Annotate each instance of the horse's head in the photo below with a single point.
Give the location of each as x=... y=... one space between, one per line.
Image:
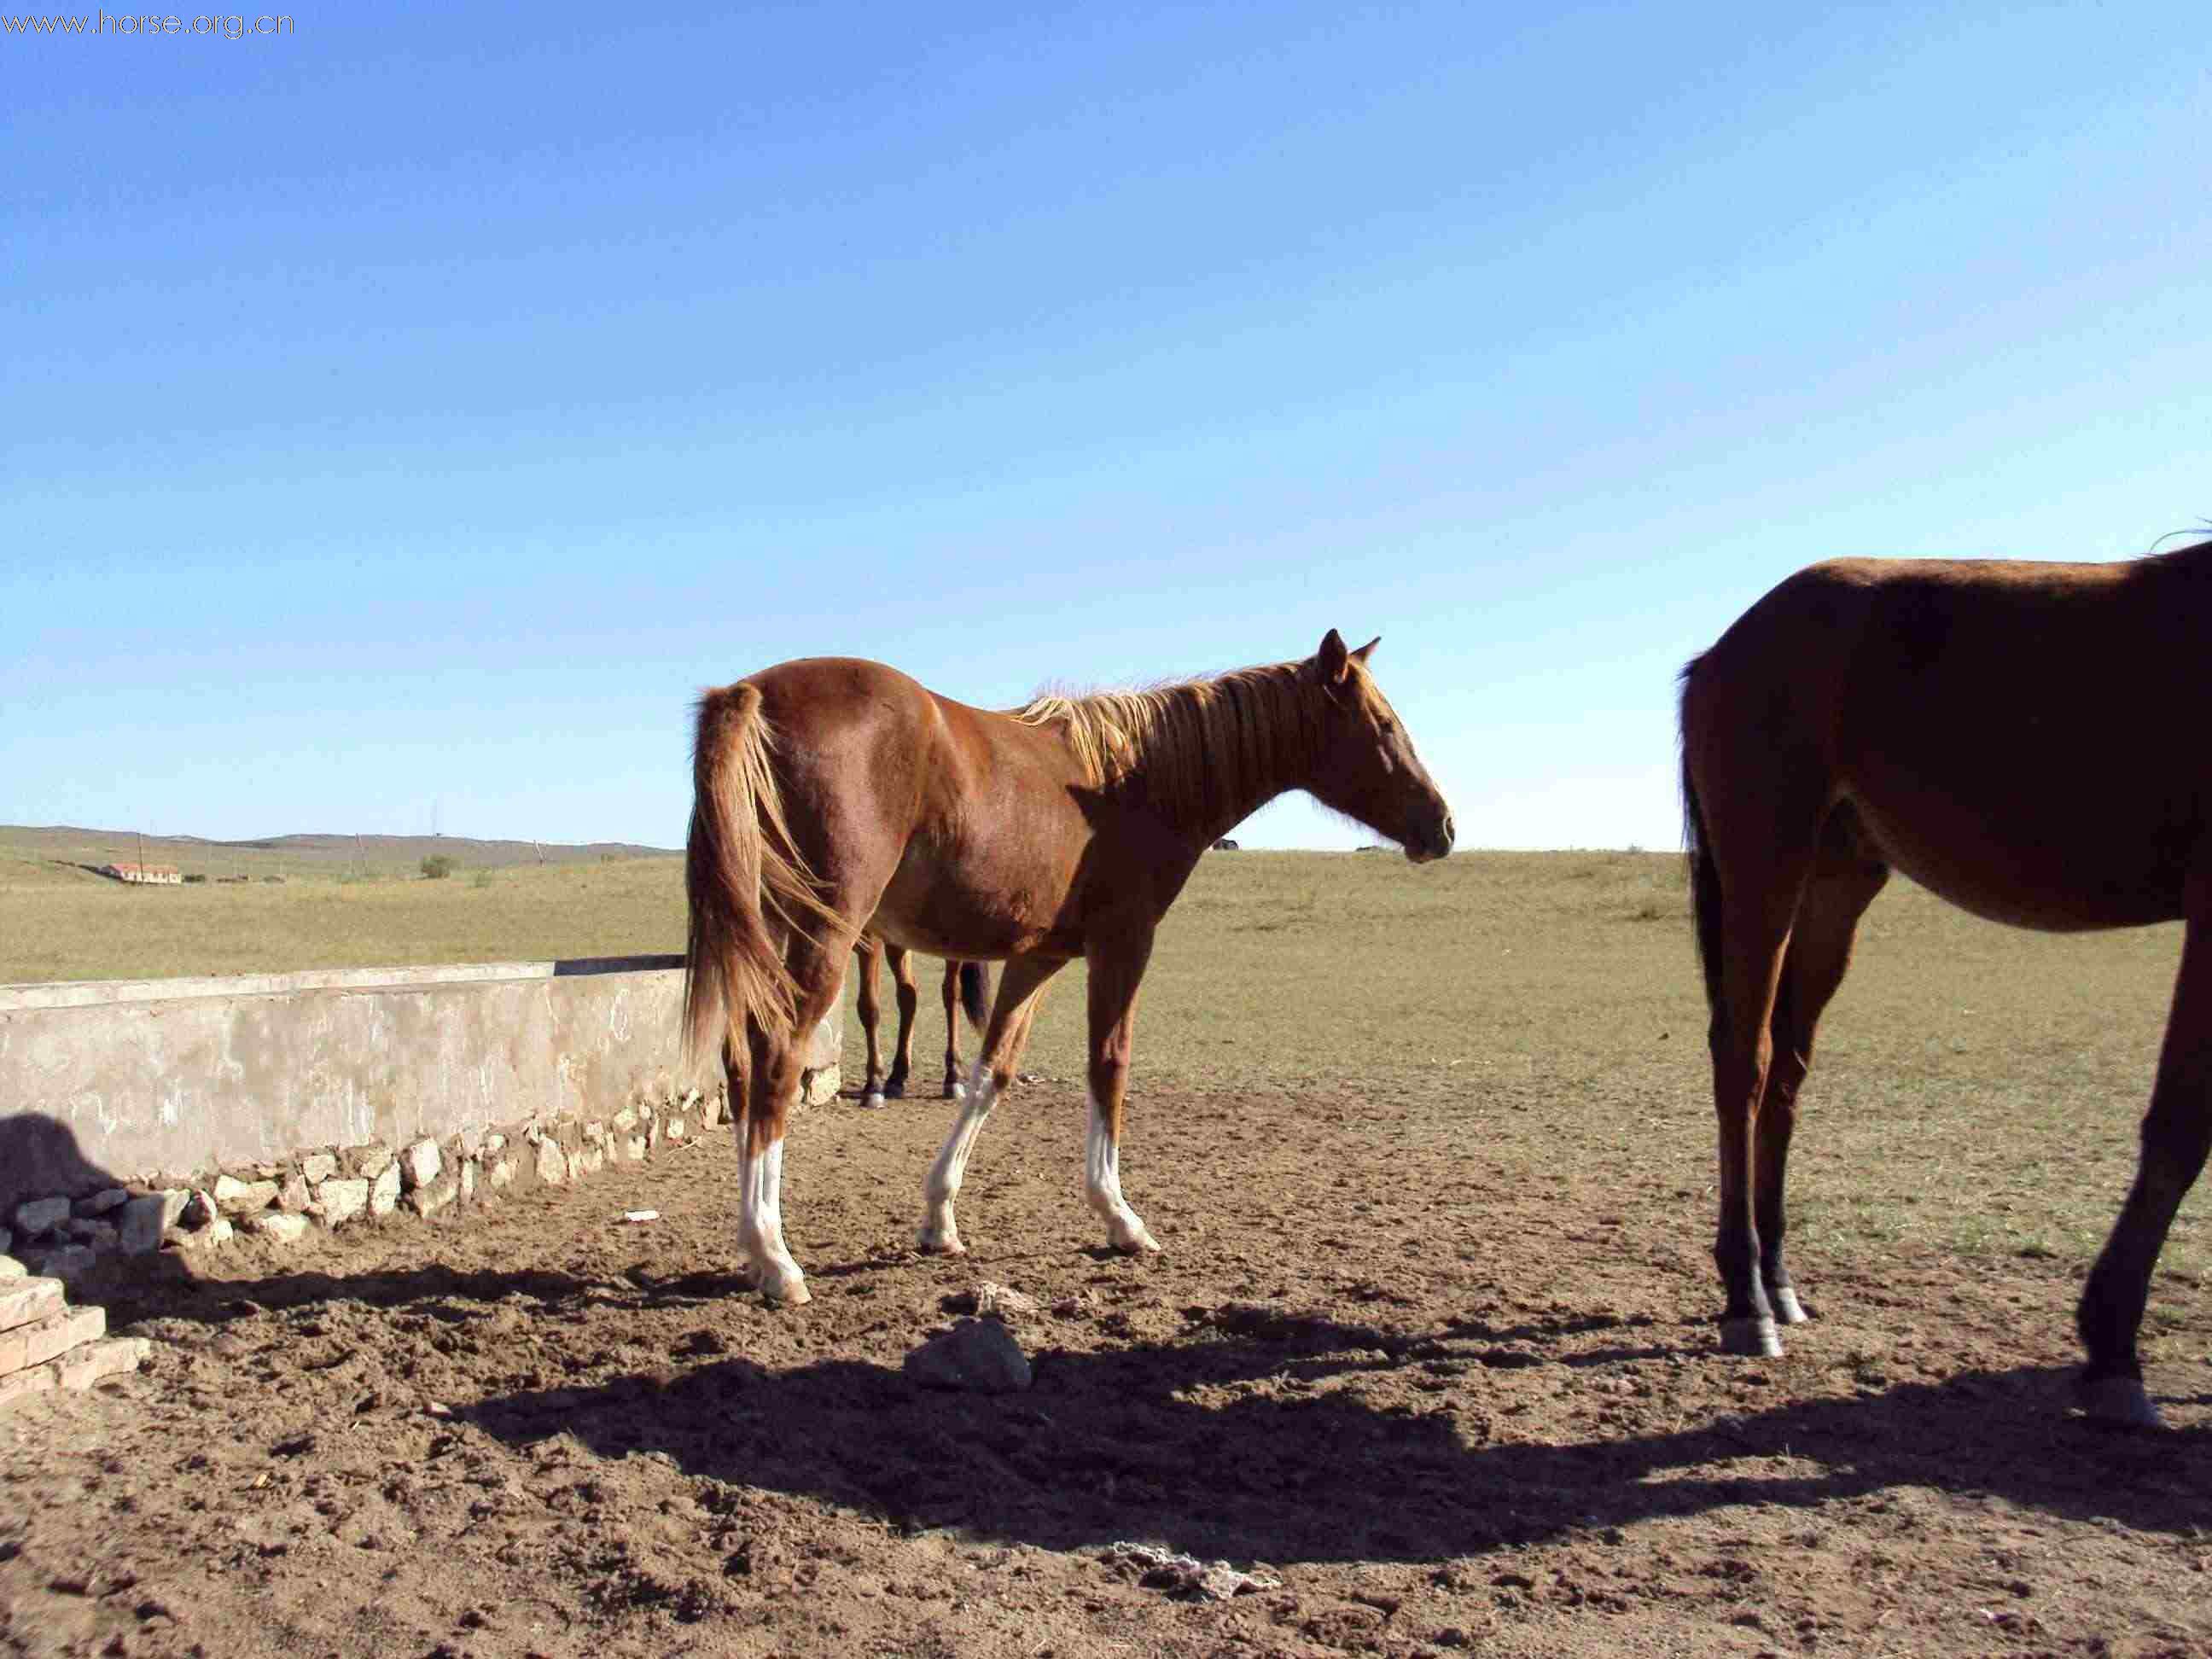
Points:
x=1366 y=768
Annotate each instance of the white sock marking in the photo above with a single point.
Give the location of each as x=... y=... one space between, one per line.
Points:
x=1102 y=1181
x=760 y=1221
x=939 y=1230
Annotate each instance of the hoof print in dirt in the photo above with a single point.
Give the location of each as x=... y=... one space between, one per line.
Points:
x=1184 y=1577
x=989 y=1301
x=976 y=1356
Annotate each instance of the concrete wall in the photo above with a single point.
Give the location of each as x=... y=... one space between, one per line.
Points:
x=152 y=1081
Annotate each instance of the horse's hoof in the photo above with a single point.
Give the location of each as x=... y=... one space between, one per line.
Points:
x=2120 y=1402
x=787 y=1293
x=1787 y=1310
x=1137 y=1242
x=892 y=1091
x=935 y=1243
x=1757 y=1338
x=873 y=1098
x=955 y=1090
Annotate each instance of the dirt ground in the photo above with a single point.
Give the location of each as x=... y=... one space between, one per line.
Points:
x=1452 y=1390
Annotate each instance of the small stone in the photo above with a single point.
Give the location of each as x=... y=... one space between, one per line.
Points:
x=199 y=1209
x=28 y=1299
x=97 y=1361
x=472 y=1137
x=976 y=1355
x=634 y=1149
x=292 y=1195
x=495 y=1144
x=500 y=1173
x=594 y=1132
x=419 y=1164
x=317 y=1168
x=67 y=1262
x=38 y=1215
x=588 y=1160
x=234 y=1197
x=101 y=1203
x=676 y=1129
x=428 y=1200
x=93 y=1235
x=384 y=1191
x=12 y=1270
x=552 y=1163
x=468 y=1182
x=990 y=1301
x=625 y=1121
x=341 y=1200
x=368 y=1161
x=285 y=1229
x=146 y=1218
x=217 y=1231
x=36 y=1343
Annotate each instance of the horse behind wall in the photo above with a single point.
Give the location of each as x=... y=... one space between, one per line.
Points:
x=966 y=989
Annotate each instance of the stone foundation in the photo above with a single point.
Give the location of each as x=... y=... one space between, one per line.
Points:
x=474 y=1082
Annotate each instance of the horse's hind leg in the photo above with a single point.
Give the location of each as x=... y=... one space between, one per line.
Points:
x=777 y=1056
x=2177 y=1132
x=871 y=1012
x=1760 y=847
x=1019 y=986
x=908 y=1004
x=951 y=1030
x=1846 y=876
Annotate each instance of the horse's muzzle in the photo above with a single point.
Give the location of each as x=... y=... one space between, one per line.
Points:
x=1433 y=846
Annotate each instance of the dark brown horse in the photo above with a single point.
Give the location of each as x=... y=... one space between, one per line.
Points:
x=2026 y=740
x=835 y=797
x=964 y=988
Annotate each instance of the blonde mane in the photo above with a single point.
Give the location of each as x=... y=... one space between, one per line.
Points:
x=1200 y=751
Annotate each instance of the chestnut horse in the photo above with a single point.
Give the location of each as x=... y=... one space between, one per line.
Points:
x=964 y=988
x=2013 y=737
x=836 y=797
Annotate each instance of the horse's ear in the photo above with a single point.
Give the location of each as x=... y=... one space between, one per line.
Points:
x=1332 y=659
x=1366 y=651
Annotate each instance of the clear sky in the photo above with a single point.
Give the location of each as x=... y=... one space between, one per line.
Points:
x=409 y=412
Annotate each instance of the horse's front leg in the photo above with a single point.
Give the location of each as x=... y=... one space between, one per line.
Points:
x=1117 y=965
x=1003 y=1039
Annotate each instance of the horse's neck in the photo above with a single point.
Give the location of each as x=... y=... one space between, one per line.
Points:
x=1203 y=823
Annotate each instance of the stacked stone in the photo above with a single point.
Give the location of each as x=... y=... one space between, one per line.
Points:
x=47 y=1344
x=65 y=1236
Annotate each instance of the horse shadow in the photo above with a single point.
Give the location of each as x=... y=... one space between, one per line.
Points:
x=1260 y=1433
x=1232 y=1443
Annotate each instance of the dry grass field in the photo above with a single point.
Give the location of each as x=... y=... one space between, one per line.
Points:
x=1975 y=1086
x=1430 y=1151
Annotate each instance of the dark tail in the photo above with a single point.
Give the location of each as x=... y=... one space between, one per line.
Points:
x=741 y=867
x=1705 y=872
x=975 y=994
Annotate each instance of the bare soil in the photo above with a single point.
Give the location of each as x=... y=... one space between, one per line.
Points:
x=1441 y=1367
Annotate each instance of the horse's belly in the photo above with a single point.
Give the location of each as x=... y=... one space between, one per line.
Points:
x=2020 y=868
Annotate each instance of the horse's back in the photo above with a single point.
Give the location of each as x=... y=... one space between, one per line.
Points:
x=2013 y=734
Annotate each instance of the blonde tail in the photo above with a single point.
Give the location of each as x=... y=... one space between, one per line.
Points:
x=741 y=866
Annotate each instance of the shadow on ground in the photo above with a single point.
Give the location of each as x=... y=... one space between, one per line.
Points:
x=1265 y=1434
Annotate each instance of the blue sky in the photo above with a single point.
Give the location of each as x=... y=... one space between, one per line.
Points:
x=411 y=412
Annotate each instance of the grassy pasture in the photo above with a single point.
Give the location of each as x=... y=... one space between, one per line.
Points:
x=1976 y=1088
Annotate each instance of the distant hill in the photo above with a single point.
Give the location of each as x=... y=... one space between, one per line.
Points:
x=64 y=847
